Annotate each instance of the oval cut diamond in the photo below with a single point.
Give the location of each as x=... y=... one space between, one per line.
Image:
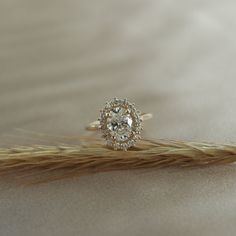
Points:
x=119 y=123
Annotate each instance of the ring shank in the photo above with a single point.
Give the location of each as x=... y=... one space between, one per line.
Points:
x=95 y=125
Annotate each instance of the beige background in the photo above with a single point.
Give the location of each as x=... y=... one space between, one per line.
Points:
x=61 y=60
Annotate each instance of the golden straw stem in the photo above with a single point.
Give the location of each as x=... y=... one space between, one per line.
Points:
x=93 y=157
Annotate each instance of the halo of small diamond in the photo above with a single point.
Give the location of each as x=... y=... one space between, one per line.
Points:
x=120 y=123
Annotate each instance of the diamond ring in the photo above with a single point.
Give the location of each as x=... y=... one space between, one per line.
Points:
x=120 y=123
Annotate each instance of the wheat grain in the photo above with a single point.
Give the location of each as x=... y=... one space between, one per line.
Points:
x=92 y=156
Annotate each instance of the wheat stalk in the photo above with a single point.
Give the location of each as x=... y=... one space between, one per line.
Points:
x=61 y=161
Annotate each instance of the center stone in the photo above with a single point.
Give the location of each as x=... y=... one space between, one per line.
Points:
x=119 y=122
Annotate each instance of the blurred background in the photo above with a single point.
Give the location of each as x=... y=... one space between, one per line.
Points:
x=60 y=61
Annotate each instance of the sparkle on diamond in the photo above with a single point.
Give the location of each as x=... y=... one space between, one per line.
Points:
x=119 y=123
